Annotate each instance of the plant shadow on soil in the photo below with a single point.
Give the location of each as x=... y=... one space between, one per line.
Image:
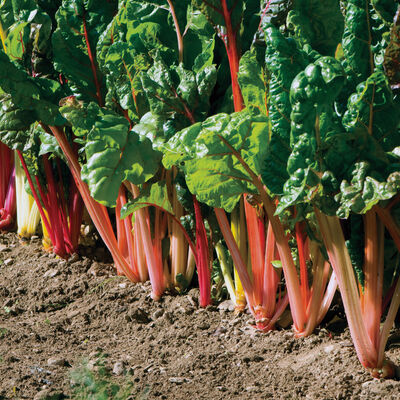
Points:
x=56 y=314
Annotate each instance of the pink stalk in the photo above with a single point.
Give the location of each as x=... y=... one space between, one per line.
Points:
x=155 y=268
x=341 y=264
x=271 y=279
x=373 y=273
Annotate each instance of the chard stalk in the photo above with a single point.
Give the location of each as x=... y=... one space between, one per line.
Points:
x=203 y=257
x=340 y=260
x=373 y=275
x=97 y=212
x=155 y=267
x=226 y=272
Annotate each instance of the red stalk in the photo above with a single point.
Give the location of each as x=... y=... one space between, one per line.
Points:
x=257 y=252
x=7 y=213
x=301 y=239
x=233 y=57
x=7 y=187
x=92 y=64
x=202 y=259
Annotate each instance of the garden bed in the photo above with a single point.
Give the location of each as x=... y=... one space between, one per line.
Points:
x=57 y=316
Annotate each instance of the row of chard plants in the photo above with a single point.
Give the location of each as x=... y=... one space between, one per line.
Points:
x=256 y=142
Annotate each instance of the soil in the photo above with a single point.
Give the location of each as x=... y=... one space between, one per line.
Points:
x=56 y=315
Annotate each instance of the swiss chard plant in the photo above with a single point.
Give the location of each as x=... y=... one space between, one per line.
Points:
x=337 y=117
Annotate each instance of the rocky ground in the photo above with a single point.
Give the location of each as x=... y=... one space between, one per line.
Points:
x=69 y=325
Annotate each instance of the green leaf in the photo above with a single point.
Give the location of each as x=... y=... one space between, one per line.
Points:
x=114 y=153
x=80 y=24
x=213 y=10
x=177 y=93
x=38 y=95
x=204 y=153
x=372 y=107
x=124 y=66
x=253 y=82
x=317 y=23
x=365 y=190
x=14 y=123
x=155 y=194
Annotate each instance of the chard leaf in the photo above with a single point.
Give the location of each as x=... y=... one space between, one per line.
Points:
x=214 y=11
x=204 y=153
x=178 y=93
x=253 y=82
x=311 y=94
x=317 y=23
x=14 y=123
x=80 y=24
x=114 y=153
x=124 y=66
x=365 y=36
x=275 y=12
x=372 y=107
x=284 y=61
x=37 y=95
x=365 y=189
x=155 y=194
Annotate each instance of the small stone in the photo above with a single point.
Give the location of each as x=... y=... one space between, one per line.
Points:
x=8 y=261
x=51 y=273
x=204 y=326
x=118 y=368
x=226 y=306
x=329 y=349
x=158 y=313
x=122 y=285
x=178 y=380
x=56 y=362
x=62 y=263
x=220 y=331
x=34 y=238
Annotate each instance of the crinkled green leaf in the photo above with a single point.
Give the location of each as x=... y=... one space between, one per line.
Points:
x=178 y=93
x=373 y=108
x=275 y=11
x=284 y=61
x=203 y=151
x=365 y=36
x=318 y=23
x=311 y=94
x=154 y=194
x=38 y=95
x=114 y=153
x=14 y=123
x=365 y=190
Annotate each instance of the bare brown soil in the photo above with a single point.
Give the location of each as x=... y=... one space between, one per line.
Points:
x=55 y=314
